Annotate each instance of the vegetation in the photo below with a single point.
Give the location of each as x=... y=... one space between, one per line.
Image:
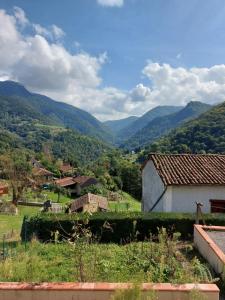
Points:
x=203 y=135
x=11 y=225
x=116 y=227
x=162 y=125
x=143 y=121
x=26 y=105
x=15 y=167
x=159 y=260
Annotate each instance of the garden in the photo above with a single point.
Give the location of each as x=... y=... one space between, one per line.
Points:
x=162 y=258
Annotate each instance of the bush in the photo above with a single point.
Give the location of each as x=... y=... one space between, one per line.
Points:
x=113 y=227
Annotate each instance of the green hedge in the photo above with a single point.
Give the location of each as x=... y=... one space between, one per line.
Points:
x=113 y=227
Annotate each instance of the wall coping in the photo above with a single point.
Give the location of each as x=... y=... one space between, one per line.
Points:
x=105 y=286
x=202 y=230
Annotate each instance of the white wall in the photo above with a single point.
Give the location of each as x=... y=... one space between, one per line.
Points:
x=179 y=198
x=152 y=188
x=184 y=197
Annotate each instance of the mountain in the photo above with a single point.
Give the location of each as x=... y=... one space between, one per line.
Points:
x=141 y=122
x=117 y=125
x=205 y=134
x=18 y=100
x=35 y=122
x=162 y=125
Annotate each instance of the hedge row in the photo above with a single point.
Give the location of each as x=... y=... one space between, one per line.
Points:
x=113 y=227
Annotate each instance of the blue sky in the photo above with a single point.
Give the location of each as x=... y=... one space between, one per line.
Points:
x=143 y=49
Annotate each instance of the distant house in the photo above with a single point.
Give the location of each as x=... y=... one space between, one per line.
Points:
x=42 y=174
x=76 y=184
x=66 y=168
x=3 y=189
x=89 y=203
x=174 y=183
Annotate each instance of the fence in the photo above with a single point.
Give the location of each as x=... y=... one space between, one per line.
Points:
x=8 y=245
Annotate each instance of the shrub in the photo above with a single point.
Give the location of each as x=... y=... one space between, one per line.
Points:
x=113 y=227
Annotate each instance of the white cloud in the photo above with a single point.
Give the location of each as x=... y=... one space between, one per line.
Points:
x=57 y=31
x=43 y=65
x=111 y=3
x=20 y=16
x=180 y=85
x=140 y=93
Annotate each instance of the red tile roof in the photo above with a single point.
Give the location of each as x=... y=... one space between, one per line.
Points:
x=3 y=189
x=190 y=169
x=82 y=180
x=67 y=181
x=41 y=172
x=87 y=199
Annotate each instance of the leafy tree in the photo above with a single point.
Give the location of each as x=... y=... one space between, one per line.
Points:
x=16 y=168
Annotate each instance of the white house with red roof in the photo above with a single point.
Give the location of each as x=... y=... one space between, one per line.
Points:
x=175 y=182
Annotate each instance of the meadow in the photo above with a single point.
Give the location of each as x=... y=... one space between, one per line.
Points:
x=164 y=260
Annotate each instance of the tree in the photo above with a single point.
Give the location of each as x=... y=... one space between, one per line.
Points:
x=15 y=166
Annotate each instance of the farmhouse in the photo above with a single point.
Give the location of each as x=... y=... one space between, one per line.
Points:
x=76 y=184
x=89 y=203
x=175 y=182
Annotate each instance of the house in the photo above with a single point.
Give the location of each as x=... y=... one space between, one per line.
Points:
x=66 y=168
x=42 y=173
x=89 y=203
x=3 y=189
x=175 y=182
x=76 y=184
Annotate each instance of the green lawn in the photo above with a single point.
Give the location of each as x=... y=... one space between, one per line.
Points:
x=127 y=204
x=9 y=223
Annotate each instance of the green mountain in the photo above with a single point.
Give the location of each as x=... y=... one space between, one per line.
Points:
x=30 y=121
x=18 y=100
x=141 y=122
x=162 y=125
x=116 y=125
x=203 y=135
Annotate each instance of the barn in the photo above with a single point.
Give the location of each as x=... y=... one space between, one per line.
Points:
x=175 y=182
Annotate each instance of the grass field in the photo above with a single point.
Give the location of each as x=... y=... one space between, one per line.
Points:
x=163 y=261
x=127 y=204
x=9 y=223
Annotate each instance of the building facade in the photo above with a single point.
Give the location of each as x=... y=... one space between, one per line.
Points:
x=174 y=183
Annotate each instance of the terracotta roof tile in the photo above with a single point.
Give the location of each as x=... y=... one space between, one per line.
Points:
x=82 y=180
x=190 y=169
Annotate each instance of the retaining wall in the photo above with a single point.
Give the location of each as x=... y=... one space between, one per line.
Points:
x=99 y=291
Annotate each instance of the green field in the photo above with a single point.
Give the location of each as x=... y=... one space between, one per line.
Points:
x=12 y=224
x=164 y=261
x=128 y=203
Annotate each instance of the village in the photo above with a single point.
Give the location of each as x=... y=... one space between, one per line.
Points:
x=181 y=191
x=112 y=150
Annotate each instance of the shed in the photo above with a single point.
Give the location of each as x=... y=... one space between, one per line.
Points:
x=89 y=203
x=175 y=182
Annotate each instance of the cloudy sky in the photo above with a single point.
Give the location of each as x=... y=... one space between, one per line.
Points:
x=116 y=58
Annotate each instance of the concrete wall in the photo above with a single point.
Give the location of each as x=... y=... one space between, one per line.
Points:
x=99 y=291
x=208 y=249
x=179 y=198
x=152 y=188
x=184 y=197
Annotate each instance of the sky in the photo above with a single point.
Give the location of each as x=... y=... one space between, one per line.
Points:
x=116 y=58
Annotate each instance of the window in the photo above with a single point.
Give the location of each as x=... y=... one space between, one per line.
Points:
x=217 y=206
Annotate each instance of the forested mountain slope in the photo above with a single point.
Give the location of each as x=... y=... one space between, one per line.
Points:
x=17 y=100
x=162 y=125
x=141 y=122
x=117 y=125
x=203 y=135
